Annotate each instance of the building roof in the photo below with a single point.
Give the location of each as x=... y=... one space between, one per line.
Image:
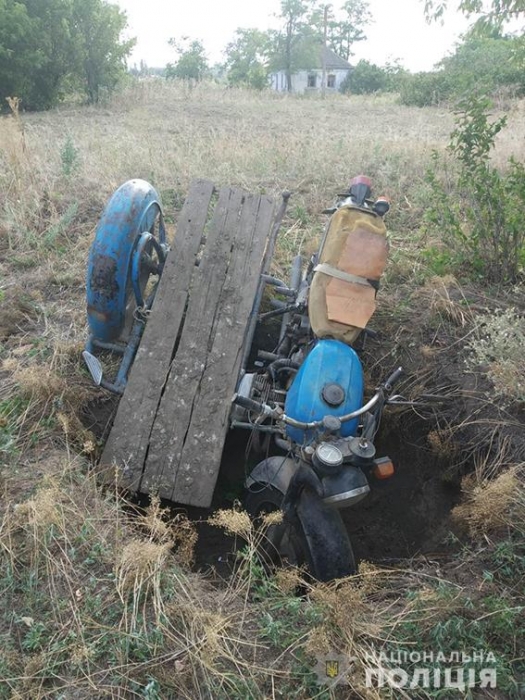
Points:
x=333 y=61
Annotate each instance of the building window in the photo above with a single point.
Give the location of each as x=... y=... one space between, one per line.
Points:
x=312 y=80
x=330 y=81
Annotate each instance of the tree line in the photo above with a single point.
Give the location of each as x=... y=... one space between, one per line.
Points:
x=252 y=55
x=53 y=48
x=487 y=61
x=50 y=48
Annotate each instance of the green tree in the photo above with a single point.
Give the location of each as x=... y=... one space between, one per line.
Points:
x=54 y=47
x=35 y=50
x=493 y=14
x=297 y=41
x=366 y=78
x=247 y=58
x=16 y=30
x=306 y=23
x=483 y=65
x=192 y=64
x=46 y=46
x=100 y=52
x=490 y=10
x=345 y=28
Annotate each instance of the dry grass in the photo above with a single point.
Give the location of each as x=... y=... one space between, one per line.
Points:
x=97 y=605
x=440 y=291
x=169 y=136
x=234 y=522
x=493 y=505
x=94 y=605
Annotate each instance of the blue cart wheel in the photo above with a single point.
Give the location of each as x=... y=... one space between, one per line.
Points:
x=128 y=251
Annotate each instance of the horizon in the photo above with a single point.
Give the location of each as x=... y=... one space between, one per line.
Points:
x=398 y=32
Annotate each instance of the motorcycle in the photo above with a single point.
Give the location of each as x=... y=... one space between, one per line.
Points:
x=308 y=394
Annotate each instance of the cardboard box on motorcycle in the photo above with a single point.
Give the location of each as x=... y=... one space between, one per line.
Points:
x=351 y=261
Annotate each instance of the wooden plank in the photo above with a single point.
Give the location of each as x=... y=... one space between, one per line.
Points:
x=129 y=438
x=185 y=376
x=201 y=454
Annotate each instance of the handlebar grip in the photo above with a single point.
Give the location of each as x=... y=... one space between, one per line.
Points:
x=248 y=404
x=393 y=379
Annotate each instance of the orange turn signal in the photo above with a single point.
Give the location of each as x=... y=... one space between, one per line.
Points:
x=384 y=468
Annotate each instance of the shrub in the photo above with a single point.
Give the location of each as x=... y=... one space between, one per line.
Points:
x=69 y=158
x=367 y=78
x=500 y=348
x=424 y=89
x=479 y=214
x=485 y=65
x=481 y=65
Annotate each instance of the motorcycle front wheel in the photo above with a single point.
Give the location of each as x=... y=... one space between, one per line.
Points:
x=315 y=538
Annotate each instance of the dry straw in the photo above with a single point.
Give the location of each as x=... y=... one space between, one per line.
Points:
x=494 y=505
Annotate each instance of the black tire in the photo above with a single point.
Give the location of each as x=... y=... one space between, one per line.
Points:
x=316 y=538
x=328 y=545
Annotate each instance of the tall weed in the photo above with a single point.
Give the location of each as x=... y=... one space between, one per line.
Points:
x=479 y=212
x=499 y=347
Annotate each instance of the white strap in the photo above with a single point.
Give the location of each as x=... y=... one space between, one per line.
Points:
x=327 y=269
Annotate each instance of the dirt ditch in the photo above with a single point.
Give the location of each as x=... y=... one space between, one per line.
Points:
x=403 y=517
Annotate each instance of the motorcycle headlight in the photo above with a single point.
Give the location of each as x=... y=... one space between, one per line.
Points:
x=328 y=458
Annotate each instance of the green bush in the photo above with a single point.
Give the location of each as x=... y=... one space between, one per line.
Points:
x=481 y=65
x=367 y=78
x=484 y=66
x=69 y=158
x=479 y=214
x=424 y=89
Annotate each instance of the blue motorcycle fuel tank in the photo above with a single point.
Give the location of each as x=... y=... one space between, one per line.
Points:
x=329 y=382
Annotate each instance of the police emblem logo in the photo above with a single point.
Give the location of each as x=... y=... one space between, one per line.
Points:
x=332 y=668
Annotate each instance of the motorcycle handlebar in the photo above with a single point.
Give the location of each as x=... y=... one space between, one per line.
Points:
x=263 y=408
x=250 y=404
x=276 y=413
x=393 y=379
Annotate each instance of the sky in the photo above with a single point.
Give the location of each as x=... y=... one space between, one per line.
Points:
x=399 y=30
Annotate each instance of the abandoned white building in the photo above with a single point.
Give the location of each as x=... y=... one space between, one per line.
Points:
x=310 y=80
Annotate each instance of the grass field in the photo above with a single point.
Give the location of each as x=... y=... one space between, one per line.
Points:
x=97 y=602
